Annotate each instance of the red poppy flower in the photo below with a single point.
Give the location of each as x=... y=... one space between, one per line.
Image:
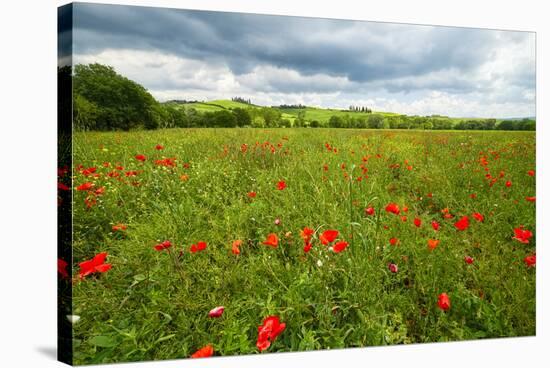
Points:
x=307 y=246
x=328 y=236
x=119 y=227
x=141 y=158
x=478 y=216
x=97 y=264
x=99 y=191
x=522 y=235
x=508 y=184
x=204 y=352
x=433 y=243
x=468 y=260
x=166 y=162
x=530 y=261
x=85 y=186
x=530 y=199
x=393 y=268
x=404 y=218
x=435 y=225
x=158 y=147
x=444 y=302
x=62 y=186
x=531 y=172
x=417 y=222
x=272 y=240
x=62 y=268
x=235 y=246
x=392 y=208
x=405 y=209
x=164 y=245
x=281 y=185
x=252 y=194
x=131 y=173
x=463 y=223
x=113 y=174
x=216 y=312
x=89 y=171
x=369 y=211
x=394 y=241
x=268 y=332
x=307 y=233
x=473 y=196
x=200 y=246
x=339 y=246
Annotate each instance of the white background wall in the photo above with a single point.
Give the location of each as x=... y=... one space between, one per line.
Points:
x=28 y=181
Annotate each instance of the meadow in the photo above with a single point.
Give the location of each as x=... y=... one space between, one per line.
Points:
x=350 y=238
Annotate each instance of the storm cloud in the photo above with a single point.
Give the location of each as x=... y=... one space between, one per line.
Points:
x=193 y=54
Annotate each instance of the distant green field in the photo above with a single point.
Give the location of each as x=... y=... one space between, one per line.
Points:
x=311 y=113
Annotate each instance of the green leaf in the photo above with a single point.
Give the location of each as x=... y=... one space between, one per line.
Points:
x=103 y=341
x=164 y=338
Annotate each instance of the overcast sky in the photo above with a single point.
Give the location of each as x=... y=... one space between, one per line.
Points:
x=410 y=69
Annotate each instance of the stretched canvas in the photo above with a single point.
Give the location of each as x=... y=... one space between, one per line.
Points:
x=234 y=184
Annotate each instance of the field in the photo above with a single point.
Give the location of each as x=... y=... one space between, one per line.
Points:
x=435 y=242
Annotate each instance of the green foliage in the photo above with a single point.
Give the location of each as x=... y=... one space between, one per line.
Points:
x=105 y=100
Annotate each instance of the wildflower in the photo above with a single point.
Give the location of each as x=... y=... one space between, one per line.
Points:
x=393 y=268
x=268 y=332
x=306 y=233
x=200 y=246
x=164 y=245
x=530 y=261
x=369 y=211
x=251 y=194
x=478 y=216
x=85 y=186
x=339 y=246
x=392 y=208
x=141 y=158
x=158 y=147
x=281 y=185
x=463 y=223
x=119 y=227
x=443 y=302
x=394 y=241
x=522 y=235
x=417 y=222
x=204 y=352
x=328 y=236
x=435 y=225
x=235 y=246
x=216 y=312
x=433 y=243
x=468 y=260
x=272 y=240
x=97 y=264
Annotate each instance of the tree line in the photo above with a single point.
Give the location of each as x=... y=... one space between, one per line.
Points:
x=105 y=100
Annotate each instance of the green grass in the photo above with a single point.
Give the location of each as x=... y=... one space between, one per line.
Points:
x=323 y=115
x=144 y=309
